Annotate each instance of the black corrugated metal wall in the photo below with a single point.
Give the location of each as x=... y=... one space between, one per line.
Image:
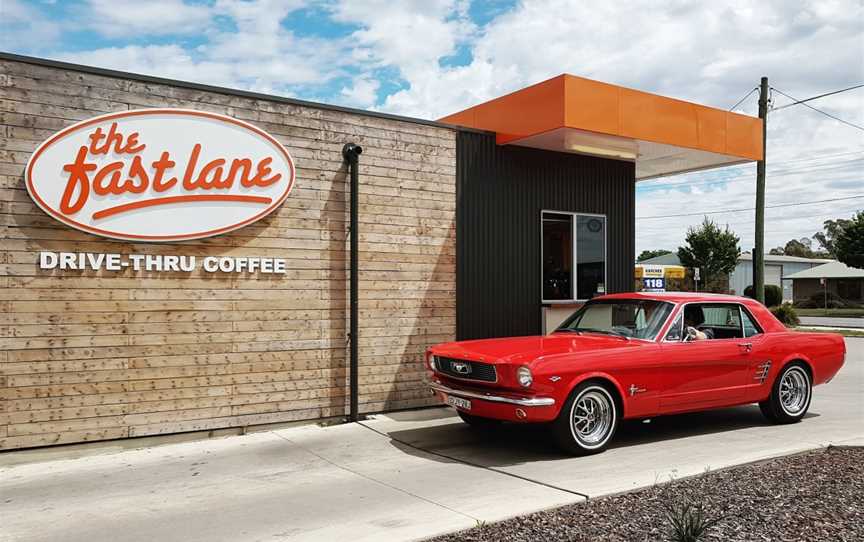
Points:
x=500 y=191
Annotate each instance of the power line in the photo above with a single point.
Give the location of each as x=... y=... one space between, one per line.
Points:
x=826 y=214
x=780 y=173
x=736 y=167
x=814 y=97
x=751 y=208
x=734 y=107
x=802 y=102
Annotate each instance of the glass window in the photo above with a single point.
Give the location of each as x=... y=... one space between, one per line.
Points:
x=750 y=327
x=641 y=319
x=590 y=256
x=675 y=332
x=573 y=256
x=557 y=257
x=849 y=289
x=715 y=320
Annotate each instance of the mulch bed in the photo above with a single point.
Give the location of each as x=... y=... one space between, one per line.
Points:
x=818 y=495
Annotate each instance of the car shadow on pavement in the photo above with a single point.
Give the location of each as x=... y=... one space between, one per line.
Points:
x=514 y=444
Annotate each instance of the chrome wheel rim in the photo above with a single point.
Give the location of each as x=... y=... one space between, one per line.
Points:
x=794 y=391
x=592 y=417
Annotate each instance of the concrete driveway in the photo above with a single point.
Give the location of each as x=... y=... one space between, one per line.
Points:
x=397 y=477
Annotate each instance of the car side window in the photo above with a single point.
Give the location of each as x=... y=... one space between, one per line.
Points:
x=713 y=320
x=750 y=327
x=676 y=332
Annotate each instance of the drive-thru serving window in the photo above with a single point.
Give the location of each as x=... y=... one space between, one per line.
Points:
x=177 y=257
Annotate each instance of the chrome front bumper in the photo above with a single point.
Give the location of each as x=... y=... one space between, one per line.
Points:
x=531 y=402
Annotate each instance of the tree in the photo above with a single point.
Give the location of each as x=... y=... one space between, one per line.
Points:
x=799 y=247
x=831 y=230
x=648 y=254
x=849 y=244
x=713 y=250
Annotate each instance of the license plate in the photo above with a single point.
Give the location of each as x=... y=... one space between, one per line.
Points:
x=458 y=402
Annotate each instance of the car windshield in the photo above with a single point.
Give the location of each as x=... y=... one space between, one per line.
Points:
x=637 y=318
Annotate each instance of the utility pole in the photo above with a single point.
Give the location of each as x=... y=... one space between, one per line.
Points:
x=759 y=248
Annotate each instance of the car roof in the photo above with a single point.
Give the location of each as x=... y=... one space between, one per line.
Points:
x=680 y=297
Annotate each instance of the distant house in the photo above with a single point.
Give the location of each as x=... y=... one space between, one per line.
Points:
x=777 y=270
x=841 y=280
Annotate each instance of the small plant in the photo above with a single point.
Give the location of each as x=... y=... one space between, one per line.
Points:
x=786 y=314
x=687 y=522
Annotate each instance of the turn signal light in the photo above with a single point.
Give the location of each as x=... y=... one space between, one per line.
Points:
x=524 y=376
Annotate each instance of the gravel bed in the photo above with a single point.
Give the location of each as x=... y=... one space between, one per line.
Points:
x=817 y=495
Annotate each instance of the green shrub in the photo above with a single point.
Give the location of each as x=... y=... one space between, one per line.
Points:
x=773 y=294
x=688 y=523
x=786 y=314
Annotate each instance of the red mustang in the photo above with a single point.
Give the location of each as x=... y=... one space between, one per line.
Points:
x=637 y=355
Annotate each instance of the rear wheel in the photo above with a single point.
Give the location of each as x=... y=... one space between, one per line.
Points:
x=587 y=420
x=790 y=395
x=478 y=421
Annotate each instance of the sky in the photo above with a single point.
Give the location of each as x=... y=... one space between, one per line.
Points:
x=429 y=58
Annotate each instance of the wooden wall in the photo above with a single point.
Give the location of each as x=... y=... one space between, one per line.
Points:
x=103 y=355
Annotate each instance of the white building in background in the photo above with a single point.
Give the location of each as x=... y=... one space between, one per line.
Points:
x=777 y=269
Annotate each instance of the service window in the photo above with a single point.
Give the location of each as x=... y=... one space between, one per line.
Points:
x=573 y=253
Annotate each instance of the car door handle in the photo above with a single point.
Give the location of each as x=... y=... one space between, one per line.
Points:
x=748 y=347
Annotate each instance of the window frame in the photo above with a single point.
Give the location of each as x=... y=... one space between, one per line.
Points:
x=574 y=264
x=742 y=310
x=660 y=330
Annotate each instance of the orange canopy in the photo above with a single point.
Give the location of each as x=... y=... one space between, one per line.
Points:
x=663 y=136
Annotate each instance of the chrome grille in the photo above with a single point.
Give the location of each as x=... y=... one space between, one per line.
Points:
x=466 y=370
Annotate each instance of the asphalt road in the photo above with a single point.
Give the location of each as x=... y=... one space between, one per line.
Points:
x=832 y=321
x=399 y=477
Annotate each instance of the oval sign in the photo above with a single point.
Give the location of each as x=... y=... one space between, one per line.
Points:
x=160 y=175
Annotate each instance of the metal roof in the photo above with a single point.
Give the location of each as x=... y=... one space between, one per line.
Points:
x=832 y=270
x=660 y=135
x=787 y=259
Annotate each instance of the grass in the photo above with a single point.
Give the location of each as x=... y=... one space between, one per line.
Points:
x=837 y=313
x=844 y=332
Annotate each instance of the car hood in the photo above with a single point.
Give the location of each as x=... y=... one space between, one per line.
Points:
x=527 y=349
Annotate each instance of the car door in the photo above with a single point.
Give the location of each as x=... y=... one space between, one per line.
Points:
x=757 y=383
x=705 y=373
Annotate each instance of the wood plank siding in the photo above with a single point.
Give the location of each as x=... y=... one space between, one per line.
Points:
x=102 y=355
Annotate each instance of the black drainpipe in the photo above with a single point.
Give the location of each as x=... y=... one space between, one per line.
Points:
x=351 y=154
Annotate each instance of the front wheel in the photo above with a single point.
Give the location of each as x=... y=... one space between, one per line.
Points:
x=587 y=420
x=790 y=395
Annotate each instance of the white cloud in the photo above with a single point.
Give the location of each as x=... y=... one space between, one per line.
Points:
x=22 y=23
x=170 y=61
x=711 y=53
x=362 y=93
x=133 y=18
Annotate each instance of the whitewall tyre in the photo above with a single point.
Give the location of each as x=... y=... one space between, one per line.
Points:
x=587 y=421
x=790 y=395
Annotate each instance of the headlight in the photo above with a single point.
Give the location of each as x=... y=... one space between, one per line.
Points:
x=523 y=375
x=430 y=361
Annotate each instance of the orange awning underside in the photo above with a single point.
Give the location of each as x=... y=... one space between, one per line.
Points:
x=663 y=136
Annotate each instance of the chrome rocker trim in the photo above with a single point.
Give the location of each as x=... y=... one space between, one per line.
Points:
x=532 y=402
